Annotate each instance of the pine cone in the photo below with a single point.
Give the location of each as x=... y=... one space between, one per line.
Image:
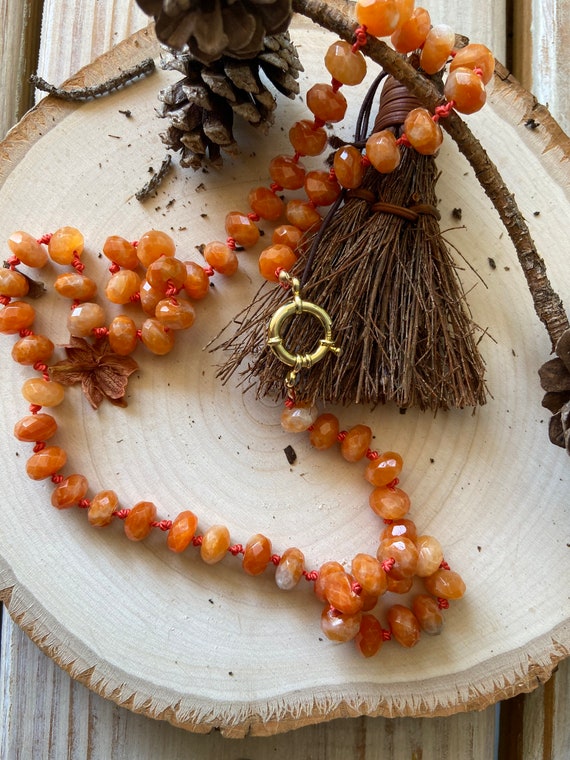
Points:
x=201 y=106
x=555 y=380
x=208 y=29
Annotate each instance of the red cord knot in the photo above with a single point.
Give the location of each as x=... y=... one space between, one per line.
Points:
x=84 y=504
x=360 y=38
x=356 y=588
x=136 y=297
x=197 y=540
x=392 y=484
x=388 y=564
x=231 y=243
x=25 y=332
x=236 y=549
x=387 y=522
x=296 y=157
x=5 y=300
x=372 y=455
x=44 y=240
x=13 y=262
x=134 y=243
x=335 y=84
x=365 y=161
x=40 y=446
x=100 y=332
x=341 y=435
x=310 y=575
x=443 y=604
x=122 y=514
x=289 y=403
x=318 y=123
x=444 y=565
x=403 y=140
x=171 y=290
x=253 y=217
x=275 y=187
x=40 y=367
x=386 y=634
x=442 y=111
x=453 y=53
x=139 y=334
x=209 y=271
x=479 y=71
x=57 y=479
x=162 y=524
x=332 y=173
x=276 y=559
x=76 y=263
x=35 y=408
x=114 y=268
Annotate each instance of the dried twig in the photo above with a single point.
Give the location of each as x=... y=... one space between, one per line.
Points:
x=155 y=180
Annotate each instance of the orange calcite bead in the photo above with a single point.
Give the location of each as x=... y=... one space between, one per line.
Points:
x=437 y=47
x=287 y=172
x=215 y=544
x=412 y=34
x=165 y=272
x=138 y=522
x=405 y=554
x=175 y=313
x=348 y=167
x=325 y=570
x=398 y=528
x=257 y=554
x=384 y=469
x=466 y=89
x=123 y=286
x=430 y=555
x=46 y=462
x=32 y=349
x=339 y=626
x=289 y=571
x=370 y=638
x=424 y=134
x=182 y=531
x=326 y=104
x=265 y=203
x=42 y=392
x=321 y=188
x=287 y=234
x=12 y=283
x=389 y=503
x=16 y=316
x=306 y=139
x=404 y=625
x=324 y=432
x=380 y=17
x=122 y=335
x=338 y=592
x=84 y=318
x=356 y=443
x=158 y=338
x=399 y=585
x=35 y=427
x=303 y=215
x=197 y=282
x=369 y=601
x=149 y=297
x=428 y=614
x=65 y=244
x=474 y=56
x=446 y=584
x=345 y=65
x=154 y=244
x=273 y=258
x=242 y=229
x=221 y=257
x=69 y=492
x=369 y=573
x=383 y=151
x=297 y=419
x=100 y=512
x=26 y=248
x=76 y=286
x=121 y=252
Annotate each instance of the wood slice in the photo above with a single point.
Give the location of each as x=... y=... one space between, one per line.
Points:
x=204 y=647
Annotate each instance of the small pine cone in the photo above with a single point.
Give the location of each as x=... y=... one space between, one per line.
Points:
x=208 y=29
x=201 y=106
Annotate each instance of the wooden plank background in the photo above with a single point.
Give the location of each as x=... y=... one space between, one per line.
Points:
x=44 y=713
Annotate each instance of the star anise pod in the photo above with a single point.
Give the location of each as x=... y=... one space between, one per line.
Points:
x=102 y=373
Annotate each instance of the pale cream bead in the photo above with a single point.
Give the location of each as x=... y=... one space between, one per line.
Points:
x=430 y=555
x=298 y=418
x=42 y=392
x=84 y=318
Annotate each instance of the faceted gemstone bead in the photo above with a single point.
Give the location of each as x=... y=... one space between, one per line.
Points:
x=166 y=272
x=175 y=313
x=35 y=427
x=369 y=573
x=154 y=244
x=265 y=203
x=257 y=554
x=137 y=523
x=289 y=571
x=273 y=258
x=424 y=134
x=428 y=614
x=339 y=626
x=384 y=469
x=242 y=229
x=76 y=286
x=345 y=65
x=100 y=512
x=158 y=338
x=65 y=244
x=303 y=215
x=405 y=554
x=389 y=503
x=297 y=419
x=430 y=555
x=383 y=151
x=26 y=248
x=339 y=593
x=466 y=89
x=32 y=349
x=307 y=139
x=348 y=167
x=325 y=103
x=412 y=34
x=182 y=531
x=399 y=528
x=369 y=601
x=437 y=47
x=16 y=316
x=399 y=585
x=69 y=492
x=380 y=17
x=221 y=257
x=356 y=443
x=446 y=584
x=325 y=570
x=46 y=462
x=122 y=335
x=85 y=318
x=122 y=286
x=404 y=625
x=287 y=234
x=42 y=392
x=121 y=252
x=215 y=544
x=12 y=283
x=287 y=172
x=324 y=431
x=321 y=188
x=474 y=56
x=149 y=297
x=197 y=282
x=369 y=638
